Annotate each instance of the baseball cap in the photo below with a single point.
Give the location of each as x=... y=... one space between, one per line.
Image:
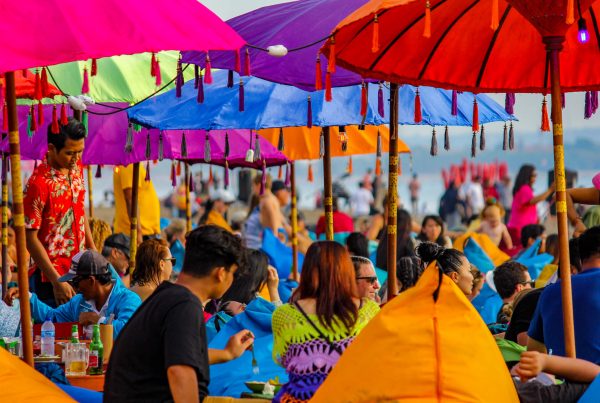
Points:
x=278 y=185
x=87 y=263
x=119 y=241
x=224 y=195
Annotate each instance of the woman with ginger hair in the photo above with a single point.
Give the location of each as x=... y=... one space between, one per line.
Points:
x=325 y=315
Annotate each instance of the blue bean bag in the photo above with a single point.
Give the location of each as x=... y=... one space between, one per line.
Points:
x=535 y=262
x=339 y=237
x=280 y=255
x=487 y=303
x=81 y=395
x=477 y=256
x=228 y=379
x=592 y=394
x=178 y=252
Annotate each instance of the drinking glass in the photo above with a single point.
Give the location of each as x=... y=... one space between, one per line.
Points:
x=77 y=358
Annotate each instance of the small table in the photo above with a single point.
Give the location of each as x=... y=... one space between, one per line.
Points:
x=91 y=382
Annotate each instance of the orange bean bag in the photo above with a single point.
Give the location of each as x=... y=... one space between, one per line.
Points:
x=419 y=350
x=21 y=383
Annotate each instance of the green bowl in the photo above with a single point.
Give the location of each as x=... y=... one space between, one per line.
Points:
x=257 y=387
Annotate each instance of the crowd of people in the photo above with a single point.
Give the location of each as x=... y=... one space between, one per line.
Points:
x=186 y=286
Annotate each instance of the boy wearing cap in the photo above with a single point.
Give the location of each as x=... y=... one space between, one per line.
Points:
x=116 y=251
x=100 y=295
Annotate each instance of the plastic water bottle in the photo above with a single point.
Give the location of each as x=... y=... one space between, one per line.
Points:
x=48 y=338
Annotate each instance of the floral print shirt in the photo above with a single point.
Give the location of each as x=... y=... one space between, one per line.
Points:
x=55 y=205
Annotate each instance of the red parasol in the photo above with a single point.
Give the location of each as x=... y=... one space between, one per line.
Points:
x=494 y=46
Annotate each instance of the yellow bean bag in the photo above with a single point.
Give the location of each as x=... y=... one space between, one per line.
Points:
x=484 y=241
x=21 y=383
x=418 y=350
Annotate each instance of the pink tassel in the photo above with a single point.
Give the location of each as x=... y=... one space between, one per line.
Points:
x=4 y=119
x=64 y=119
x=226 y=175
x=191 y=183
x=153 y=65
x=178 y=80
x=207 y=71
x=247 y=63
x=263 y=182
x=98 y=171
x=45 y=85
x=328 y=92
x=40 y=114
x=288 y=180
x=418 y=113
x=200 y=96
x=94 y=69
x=454 y=103
x=587 y=113
x=309 y=120
x=85 y=87
x=475 y=122
x=318 y=75
x=241 y=96
x=363 y=99
x=37 y=94
x=173 y=175
x=157 y=73
x=238 y=63
x=380 y=105
x=54 y=127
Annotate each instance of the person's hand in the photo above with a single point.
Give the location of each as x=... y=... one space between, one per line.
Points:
x=531 y=365
x=273 y=278
x=579 y=228
x=11 y=294
x=63 y=292
x=238 y=343
x=88 y=318
x=552 y=188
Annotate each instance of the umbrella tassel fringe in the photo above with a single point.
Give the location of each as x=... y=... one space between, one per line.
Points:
x=55 y=128
x=207 y=148
x=545 y=126
x=241 y=104
x=475 y=122
x=427 y=27
x=280 y=142
x=184 y=150
x=309 y=117
x=40 y=108
x=287 y=175
x=375 y=41
x=474 y=145
x=482 y=138
x=200 y=96
x=454 y=110
x=446 y=139
x=434 y=145
x=363 y=99
x=380 y=105
x=98 y=171
x=511 y=137
x=247 y=70
x=318 y=75
x=208 y=79
x=418 y=112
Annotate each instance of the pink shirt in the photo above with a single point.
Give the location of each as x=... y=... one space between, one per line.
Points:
x=522 y=212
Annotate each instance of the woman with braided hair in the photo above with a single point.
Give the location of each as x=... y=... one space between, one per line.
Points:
x=451 y=262
x=408 y=272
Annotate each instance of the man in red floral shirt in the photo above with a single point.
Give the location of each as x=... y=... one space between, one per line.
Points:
x=55 y=219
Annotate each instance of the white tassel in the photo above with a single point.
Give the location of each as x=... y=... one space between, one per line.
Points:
x=207 y=149
x=161 y=151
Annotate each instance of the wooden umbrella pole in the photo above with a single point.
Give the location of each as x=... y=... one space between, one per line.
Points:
x=294 y=223
x=188 y=204
x=328 y=190
x=553 y=46
x=90 y=191
x=392 y=194
x=5 y=268
x=19 y=217
x=133 y=216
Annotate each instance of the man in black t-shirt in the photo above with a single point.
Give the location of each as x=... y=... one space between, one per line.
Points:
x=161 y=354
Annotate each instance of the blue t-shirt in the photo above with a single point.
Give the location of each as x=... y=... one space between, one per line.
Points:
x=547 y=323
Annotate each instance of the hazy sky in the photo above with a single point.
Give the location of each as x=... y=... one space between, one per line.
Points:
x=527 y=108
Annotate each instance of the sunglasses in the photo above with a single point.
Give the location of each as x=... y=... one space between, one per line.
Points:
x=78 y=279
x=369 y=279
x=173 y=260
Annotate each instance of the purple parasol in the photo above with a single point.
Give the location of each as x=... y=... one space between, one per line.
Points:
x=292 y=25
x=107 y=138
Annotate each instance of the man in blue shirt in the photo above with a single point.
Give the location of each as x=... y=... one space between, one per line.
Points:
x=546 y=328
x=101 y=296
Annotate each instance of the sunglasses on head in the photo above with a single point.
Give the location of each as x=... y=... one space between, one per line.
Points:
x=370 y=279
x=173 y=260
